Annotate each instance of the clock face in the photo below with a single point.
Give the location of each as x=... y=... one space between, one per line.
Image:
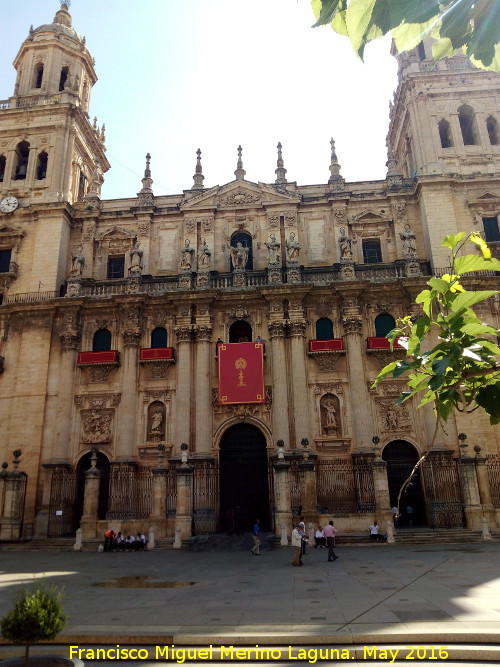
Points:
x=9 y=204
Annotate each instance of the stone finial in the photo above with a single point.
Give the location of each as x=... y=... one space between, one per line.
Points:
x=280 y=171
x=335 y=180
x=63 y=17
x=240 y=172
x=198 y=177
x=94 y=193
x=145 y=195
x=394 y=177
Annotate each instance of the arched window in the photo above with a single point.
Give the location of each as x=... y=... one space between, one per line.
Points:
x=41 y=166
x=101 y=341
x=2 y=167
x=467 y=122
x=246 y=241
x=240 y=332
x=492 y=127
x=421 y=51
x=445 y=133
x=38 y=75
x=383 y=324
x=324 y=329
x=21 y=160
x=63 y=78
x=159 y=337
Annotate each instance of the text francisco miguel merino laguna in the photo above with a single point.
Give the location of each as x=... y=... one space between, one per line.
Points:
x=311 y=655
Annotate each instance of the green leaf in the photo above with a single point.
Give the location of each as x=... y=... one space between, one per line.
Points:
x=485 y=33
x=408 y=35
x=439 y=285
x=468 y=299
x=456 y=23
x=495 y=64
x=325 y=11
x=488 y=398
x=452 y=240
x=387 y=370
x=469 y=263
x=360 y=24
x=478 y=329
x=441 y=366
x=476 y=238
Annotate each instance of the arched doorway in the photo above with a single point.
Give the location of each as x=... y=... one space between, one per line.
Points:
x=83 y=465
x=244 y=485
x=401 y=457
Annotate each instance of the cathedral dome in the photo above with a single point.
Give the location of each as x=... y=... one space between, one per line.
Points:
x=61 y=24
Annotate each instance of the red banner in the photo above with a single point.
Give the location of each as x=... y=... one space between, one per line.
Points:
x=241 y=373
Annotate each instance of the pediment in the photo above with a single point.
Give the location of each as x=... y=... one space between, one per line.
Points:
x=240 y=194
x=488 y=196
x=9 y=230
x=115 y=233
x=370 y=216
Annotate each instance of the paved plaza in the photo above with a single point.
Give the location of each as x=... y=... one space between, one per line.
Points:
x=372 y=596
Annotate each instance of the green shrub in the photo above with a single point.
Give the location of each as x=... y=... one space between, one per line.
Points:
x=38 y=615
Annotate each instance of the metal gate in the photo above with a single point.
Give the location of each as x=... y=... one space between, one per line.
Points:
x=62 y=507
x=205 y=497
x=130 y=493
x=443 y=494
x=345 y=486
x=493 y=470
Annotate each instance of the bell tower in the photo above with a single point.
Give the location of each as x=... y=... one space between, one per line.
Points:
x=445 y=116
x=445 y=132
x=48 y=145
x=51 y=154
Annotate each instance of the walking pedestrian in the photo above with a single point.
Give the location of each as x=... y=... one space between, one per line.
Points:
x=297 y=546
x=329 y=532
x=256 y=538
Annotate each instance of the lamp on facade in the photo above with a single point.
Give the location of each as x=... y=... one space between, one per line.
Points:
x=93 y=458
x=184 y=453
x=462 y=437
x=16 y=454
x=280 y=444
x=376 y=448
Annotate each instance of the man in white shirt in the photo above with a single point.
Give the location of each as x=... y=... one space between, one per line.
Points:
x=374 y=533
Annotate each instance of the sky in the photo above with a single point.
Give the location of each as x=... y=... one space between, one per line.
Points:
x=177 y=75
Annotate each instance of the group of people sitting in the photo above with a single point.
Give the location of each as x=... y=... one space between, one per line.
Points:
x=117 y=542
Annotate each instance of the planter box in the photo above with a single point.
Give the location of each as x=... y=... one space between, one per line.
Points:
x=90 y=358
x=332 y=345
x=382 y=343
x=156 y=353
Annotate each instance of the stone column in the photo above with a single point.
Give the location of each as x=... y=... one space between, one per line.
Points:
x=202 y=390
x=309 y=496
x=280 y=419
x=383 y=510
x=361 y=414
x=470 y=492
x=299 y=381
x=282 y=499
x=3 y=484
x=485 y=491
x=126 y=446
x=70 y=343
x=184 y=506
x=183 y=391
x=158 y=509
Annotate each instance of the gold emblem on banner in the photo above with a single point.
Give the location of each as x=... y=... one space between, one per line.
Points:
x=240 y=365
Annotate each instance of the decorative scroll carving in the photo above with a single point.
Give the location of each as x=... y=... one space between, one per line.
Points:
x=276 y=329
x=393 y=417
x=352 y=325
x=184 y=334
x=327 y=359
x=96 y=426
x=297 y=327
x=240 y=197
x=101 y=372
x=203 y=333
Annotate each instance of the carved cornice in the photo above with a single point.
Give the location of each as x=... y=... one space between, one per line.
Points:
x=184 y=334
x=297 y=327
x=70 y=341
x=276 y=329
x=353 y=324
x=131 y=338
x=202 y=333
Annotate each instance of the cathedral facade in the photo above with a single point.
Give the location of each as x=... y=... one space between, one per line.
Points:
x=116 y=315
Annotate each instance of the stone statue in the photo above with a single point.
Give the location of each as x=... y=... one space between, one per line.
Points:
x=329 y=406
x=292 y=248
x=345 y=245
x=77 y=262
x=408 y=237
x=239 y=256
x=203 y=255
x=135 y=259
x=186 y=256
x=156 y=421
x=273 y=247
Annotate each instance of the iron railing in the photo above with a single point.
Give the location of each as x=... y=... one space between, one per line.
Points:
x=493 y=470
